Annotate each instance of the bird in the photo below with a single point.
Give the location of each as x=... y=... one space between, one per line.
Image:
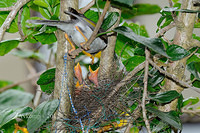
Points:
x=77 y=31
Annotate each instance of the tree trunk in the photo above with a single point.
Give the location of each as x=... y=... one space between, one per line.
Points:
x=183 y=38
x=61 y=89
x=107 y=64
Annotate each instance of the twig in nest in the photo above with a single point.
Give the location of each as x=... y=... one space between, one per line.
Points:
x=87 y=7
x=145 y=80
x=173 y=77
x=18 y=5
x=116 y=89
x=20 y=82
x=98 y=25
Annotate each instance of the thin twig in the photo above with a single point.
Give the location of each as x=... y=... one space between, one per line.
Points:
x=98 y=25
x=145 y=80
x=162 y=31
x=173 y=77
x=191 y=112
x=7 y=8
x=20 y=82
x=18 y=5
x=19 y=25
x=87 y=7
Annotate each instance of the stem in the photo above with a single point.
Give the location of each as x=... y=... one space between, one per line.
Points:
x=6 y=25
x=145 y=80
x=62 y=94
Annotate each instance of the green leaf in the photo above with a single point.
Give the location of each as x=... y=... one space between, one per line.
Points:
x=110 y=20
x=7 y=115
x=171 y=117
x=132 y=62
x=92 y=15
x=45 y=12
x=7 y=46
x=179 y=10
x=190 y=101
x=41 y=3
x=176 y=52
x=13 y=27
x=194 y=69
x=143 y=9
x=46 y=80
x=154 y=43
x=124 y=47
x=195 y=57
x=46 y=38
x=5 y=83
x=40 y=115
x=14 y=99
x=29 y=54
x=156 y=78
x=25 y=16
x=165 y=97
x=7 y=3
x=159 y=127
x=47 y=77
x=128 y=3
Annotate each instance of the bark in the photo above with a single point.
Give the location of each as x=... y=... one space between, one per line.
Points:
x=63 y=46
x=107 y=55
x=183 y=38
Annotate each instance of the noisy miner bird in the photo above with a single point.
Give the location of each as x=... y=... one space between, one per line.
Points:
x=78 y=30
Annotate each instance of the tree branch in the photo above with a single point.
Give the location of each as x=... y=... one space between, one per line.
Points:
x=20 y=82
x=7 y=8
x=162 y=31
x=98 y=25
x=19 y=25
x=87 y=7
x=145 y=80
x=6 y=25
x=173 y=77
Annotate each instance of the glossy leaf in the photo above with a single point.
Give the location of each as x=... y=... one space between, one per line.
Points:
x=46 y=38
x=132 y=62
x=194 y=69
x=172 y=118
x=7 y=114
x=156 y=78
x=40 y=115
x=144 y=9
x=110 y=20
x=179 y=10
x=46 y=81
x=124 y=48
x=159 y=127
x=153 y=43
x=176 y=52
x=14 y=99
x=123 y=2
x=47 y=77
x=190 y=101
x=7 y=3
x=7 y=46
x=41 y=3
x=195 y=57
x=92 y=15
x=165 y=97
x=45 y=12
x=25 y=16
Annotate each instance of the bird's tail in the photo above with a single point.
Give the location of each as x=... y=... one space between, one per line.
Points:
x=47 y=22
